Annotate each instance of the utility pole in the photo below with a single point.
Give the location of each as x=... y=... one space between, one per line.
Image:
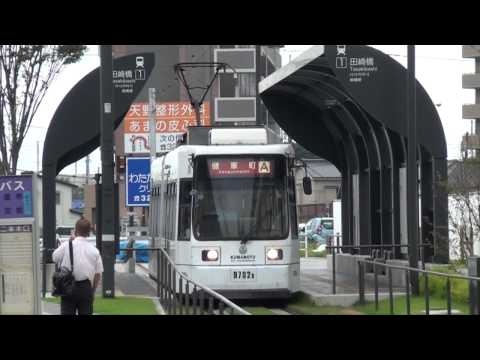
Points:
x=152 y=124
x=87 y=169
x=1 y=114
x=38 y=157
x=258 y=77
x=106 y=141
x=412 y=169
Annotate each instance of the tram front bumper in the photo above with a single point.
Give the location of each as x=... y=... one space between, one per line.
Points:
x=256 y=294
x=277 y=281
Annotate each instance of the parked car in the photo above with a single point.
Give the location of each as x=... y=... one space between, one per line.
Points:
x=326 y=230
x=319 y=229
x=63 y=233
x=301 y=227
x=301 y=232
x=141 y=256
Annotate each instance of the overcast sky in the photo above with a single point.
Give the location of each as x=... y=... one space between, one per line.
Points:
x=439 y=69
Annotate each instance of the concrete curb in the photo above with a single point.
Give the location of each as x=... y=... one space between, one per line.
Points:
x=345 y=300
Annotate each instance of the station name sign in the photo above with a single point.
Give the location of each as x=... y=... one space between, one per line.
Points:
x=356 y=67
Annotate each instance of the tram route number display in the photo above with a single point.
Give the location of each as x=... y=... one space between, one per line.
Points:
x=243 y=275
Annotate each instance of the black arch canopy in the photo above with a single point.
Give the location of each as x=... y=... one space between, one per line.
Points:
x=354 y=98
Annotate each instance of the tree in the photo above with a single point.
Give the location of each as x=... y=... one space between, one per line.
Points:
x=464 y=206
x=26 y=73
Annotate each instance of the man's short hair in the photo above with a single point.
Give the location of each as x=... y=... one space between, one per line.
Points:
x=83 y=227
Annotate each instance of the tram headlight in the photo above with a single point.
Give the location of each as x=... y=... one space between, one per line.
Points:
x=274 y=254
x=210 y=255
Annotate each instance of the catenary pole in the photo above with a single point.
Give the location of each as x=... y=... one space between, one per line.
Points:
x=151 y=123
x=412 y=168
x=106 y=138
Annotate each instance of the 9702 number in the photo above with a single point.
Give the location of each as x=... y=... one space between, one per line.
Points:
x=243 y=275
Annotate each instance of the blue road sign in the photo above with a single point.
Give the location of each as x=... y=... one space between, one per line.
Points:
x=138 y=182
x=16 y=197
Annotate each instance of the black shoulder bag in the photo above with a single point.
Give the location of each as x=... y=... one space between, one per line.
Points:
x=63 y=280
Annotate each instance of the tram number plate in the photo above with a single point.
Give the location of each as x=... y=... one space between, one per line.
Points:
x=243 y=275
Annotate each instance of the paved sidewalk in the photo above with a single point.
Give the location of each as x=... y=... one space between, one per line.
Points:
x=126 y=284
x=316 y=279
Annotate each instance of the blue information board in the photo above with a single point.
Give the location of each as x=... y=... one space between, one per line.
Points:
x=137 y=182
x=16 y=197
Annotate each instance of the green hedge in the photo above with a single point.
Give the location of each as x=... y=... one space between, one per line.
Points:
x=311 y=253
x=437 y=285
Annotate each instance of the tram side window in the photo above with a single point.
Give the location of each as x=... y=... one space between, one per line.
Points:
x=152 y=217
x=170 y=211
x=163 y=210
x=184 y=214
x=292 y=207
x=167 y=212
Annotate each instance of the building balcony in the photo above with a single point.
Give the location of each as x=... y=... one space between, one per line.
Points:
x=471 y=81
x=470 y=142
x=471 y=111
x=471 y=51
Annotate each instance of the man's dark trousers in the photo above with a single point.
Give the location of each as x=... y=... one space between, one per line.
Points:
x=81 y=300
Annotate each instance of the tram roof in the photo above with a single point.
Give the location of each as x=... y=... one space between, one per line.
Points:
x=199 y=150
x=241 y=149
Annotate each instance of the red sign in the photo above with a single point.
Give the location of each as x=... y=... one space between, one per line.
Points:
x=239 y=167
x=170 y=117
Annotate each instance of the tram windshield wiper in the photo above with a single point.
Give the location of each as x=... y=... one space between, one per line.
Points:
x=245 y=237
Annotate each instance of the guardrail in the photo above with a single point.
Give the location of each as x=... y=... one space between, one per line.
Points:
x=332 y=250
x=474 y=299
x=305 y=244
x=180 y=295
x=177 y=293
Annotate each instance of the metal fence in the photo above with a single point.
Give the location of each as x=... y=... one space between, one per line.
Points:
x=177 y=293
x=474 y=300
x=379 y=251
x=180 y=295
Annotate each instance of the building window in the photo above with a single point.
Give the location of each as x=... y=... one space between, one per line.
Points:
x=227 y=85
x=6 y=197
x=57 y=197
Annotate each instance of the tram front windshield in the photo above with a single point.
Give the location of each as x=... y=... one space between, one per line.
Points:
x=240 y=198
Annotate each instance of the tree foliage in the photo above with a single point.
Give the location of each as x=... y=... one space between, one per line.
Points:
x=464 y=206
x=26 y=73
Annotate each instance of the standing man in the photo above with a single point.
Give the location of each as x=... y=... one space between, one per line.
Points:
x=87 y=270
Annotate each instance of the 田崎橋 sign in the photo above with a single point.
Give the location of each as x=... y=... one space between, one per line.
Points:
x=16 y=197
x=137 y=182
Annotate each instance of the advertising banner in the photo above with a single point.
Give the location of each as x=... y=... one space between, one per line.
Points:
x=172 y=120
x=137 y=182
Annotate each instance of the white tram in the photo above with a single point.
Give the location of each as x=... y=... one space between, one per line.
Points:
x=226 y=213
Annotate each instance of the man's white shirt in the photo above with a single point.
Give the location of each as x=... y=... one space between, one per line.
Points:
x=86 y=259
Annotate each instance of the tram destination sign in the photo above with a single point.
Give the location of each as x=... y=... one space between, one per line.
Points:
x=239 y=168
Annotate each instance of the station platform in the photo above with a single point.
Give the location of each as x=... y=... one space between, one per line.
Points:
x=316 y=279
x=137 y=284
x=316 y=282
